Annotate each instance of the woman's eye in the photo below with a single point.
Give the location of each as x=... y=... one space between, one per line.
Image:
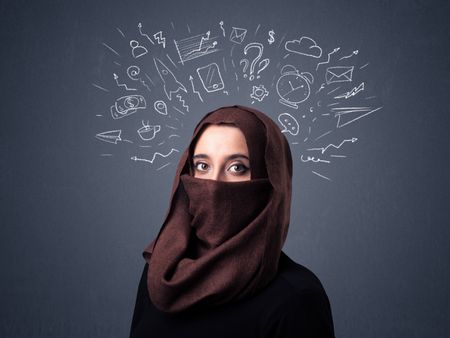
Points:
x=201 y=166
x=238 y=168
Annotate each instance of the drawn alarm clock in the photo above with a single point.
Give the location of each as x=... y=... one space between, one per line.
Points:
x=293 y=86
x=127 y=105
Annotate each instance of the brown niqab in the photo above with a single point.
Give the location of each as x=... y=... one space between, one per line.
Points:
x=221 y=241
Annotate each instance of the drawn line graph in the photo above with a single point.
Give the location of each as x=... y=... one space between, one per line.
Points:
x=324 y=149
x=135 y=158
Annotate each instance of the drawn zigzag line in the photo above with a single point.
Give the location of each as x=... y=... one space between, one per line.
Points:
x=183 y=102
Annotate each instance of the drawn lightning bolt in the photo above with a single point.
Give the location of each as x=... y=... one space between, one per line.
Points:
x=160 y=39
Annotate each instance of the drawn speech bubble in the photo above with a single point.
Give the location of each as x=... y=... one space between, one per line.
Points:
x=289 y=124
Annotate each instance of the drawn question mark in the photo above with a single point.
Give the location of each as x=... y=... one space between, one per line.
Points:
x=258 y=46
x=265 y=63
x=262 y=64
x=244 y=70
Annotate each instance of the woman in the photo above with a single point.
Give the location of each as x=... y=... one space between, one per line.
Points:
x=216 y=268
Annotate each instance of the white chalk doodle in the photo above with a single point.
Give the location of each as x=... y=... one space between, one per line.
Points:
x=311 y=100
x=135 y=158
x=223 y=29
x=262 y=64
x=313 y=159
x=160 y=39
x=293 y=86
x=211 y=78
x=148 y=132
x=178 y=110
x=322 y=86
x=133 y=73
x=224 y=65
x=339 y=74
x=289 y=124
x=112 y=136
x=271 y=38
x=333 y=90
x=191 y=79
x=320 y=175
x=331 y=145
x=196 y=46
x=143 y=34
x=171 y=84
x=116 y=78
x=171 y=61
x=120 y=32
x=351 y=93
x=137 y=50
x=183 y=102
x=161 y=107
x=364 y=66
x=329 y=57
x=238 y=35
x=259 y=93
x=163 y=166
x=305 y=46
x=347 y=115
x=100 y=87
x=281 y=40
x=322 y=135
x=127 y=105
x=355 y=52
x=149 y=79
x=257 y=29
x=110 y=48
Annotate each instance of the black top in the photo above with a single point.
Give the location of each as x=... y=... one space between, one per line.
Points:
x=294 y=304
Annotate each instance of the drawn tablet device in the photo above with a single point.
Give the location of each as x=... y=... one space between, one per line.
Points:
x=210 y=76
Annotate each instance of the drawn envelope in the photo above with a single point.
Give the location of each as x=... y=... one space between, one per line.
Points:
x=238 y=35
x=339 y=74
x=210 y=77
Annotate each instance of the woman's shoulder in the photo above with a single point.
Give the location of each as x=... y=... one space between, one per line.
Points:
x=298 y=279
x=301 y=303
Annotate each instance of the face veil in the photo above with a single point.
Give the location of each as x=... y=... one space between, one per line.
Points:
x=221 y=241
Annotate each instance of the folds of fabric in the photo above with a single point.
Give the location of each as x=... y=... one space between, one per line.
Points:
x=221 y=241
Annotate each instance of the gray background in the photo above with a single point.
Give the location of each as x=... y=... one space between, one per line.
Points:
x=73 y=225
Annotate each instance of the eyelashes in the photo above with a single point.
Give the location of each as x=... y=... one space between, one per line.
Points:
x=237 y=168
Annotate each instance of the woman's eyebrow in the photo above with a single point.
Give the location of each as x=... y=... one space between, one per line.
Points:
x=200 y=156
x=233 y=156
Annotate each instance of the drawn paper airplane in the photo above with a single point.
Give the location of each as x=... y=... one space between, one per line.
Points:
x=112 y=136
x=347 y=115
x=171 y=84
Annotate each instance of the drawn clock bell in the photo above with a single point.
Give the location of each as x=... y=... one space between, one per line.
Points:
x=293 y=87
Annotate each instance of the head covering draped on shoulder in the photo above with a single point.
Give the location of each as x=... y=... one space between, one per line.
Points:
x=221 y=241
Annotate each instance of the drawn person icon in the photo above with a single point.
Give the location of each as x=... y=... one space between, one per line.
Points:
x=137 y=50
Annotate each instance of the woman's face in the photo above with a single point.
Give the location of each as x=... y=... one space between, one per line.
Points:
x=221 y=154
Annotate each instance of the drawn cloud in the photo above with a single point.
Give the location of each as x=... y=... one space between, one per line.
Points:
x=304 y=46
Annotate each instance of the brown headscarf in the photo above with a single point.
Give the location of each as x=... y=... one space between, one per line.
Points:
x=221 y=241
